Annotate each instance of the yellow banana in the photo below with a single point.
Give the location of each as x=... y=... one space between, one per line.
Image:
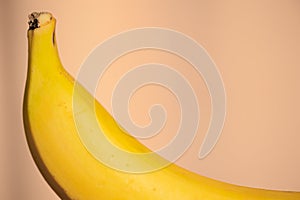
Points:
x=70 y=169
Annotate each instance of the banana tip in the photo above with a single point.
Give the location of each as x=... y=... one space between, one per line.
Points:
x=38 y=19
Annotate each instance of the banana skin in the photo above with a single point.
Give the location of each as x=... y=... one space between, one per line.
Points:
x=67 y=165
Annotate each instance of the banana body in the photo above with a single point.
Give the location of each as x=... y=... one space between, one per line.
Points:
x=65 y=162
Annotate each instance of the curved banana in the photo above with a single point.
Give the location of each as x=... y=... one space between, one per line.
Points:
x=66 y=163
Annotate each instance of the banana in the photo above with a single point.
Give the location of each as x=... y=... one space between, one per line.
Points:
x=67 y=165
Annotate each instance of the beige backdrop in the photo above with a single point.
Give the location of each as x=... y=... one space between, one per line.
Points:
x=255 y=45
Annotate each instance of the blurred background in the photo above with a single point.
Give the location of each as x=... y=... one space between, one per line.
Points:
x=255 y=45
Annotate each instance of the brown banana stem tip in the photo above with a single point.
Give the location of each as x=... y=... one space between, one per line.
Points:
x=38 y=19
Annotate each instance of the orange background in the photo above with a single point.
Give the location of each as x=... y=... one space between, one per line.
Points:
x=255 y=45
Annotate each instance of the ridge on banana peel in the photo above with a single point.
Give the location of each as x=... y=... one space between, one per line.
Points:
x=65 y=163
